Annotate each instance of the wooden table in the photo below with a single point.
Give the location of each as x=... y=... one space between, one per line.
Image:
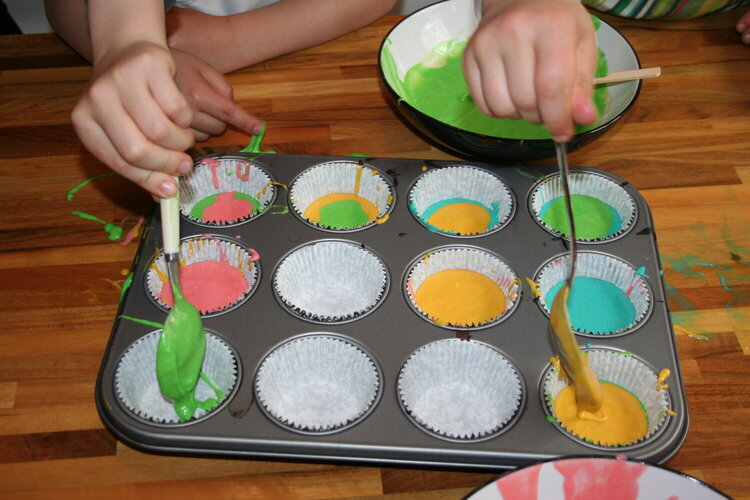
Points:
x=685 y=145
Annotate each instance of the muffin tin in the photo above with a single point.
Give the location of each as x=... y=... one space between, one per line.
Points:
x=364 y=362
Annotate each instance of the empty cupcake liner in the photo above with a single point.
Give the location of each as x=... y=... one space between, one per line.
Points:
x=589 y=184
x=318 y=383
x=606 y=268
x=137 y=386
x=464 y=258
x=202 y=249
x=226 y=174
x=331 y=281
x=345 y=177
x=461 y=183
x=620 y=368
x=460 y=390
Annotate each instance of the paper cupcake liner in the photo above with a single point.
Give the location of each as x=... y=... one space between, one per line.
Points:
x=589 y=184
x=606 y=268
x=226 y=174
x=460 y=390
x=462 y=183
x=137 y=386
x=465 y=258
x=318 y=383
x=349 y=177
x=620 y=368
x=331 y=281
x=202 y=249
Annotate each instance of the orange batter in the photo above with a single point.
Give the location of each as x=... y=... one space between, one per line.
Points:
x=622 y=419
x=460 y=297
x=461 y=218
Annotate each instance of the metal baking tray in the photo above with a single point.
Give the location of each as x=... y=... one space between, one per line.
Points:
x=391 y=333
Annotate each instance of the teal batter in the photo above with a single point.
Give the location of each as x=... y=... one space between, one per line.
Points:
x=596 y=306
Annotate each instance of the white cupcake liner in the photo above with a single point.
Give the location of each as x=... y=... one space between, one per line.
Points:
x=606 y=268
x=341 y=177
x=461 y=181
x=460 y=390
x=201 y=249
x=318 y=383
x=625 y=370
x=137 y=386
x=224 y=174
x=331 y=281
x=468 y=258
x=589 y=184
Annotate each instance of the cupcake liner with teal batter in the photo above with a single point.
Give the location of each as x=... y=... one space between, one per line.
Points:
x=226 y=180
x=603 y=210
x=463 y=258
x=460 y=390
x=318 y=383
x=137 y=386
x=625 y=370
x=207 y=248
x=331 y=281
x=351 y=189
x=460 y=186
x=603 y=283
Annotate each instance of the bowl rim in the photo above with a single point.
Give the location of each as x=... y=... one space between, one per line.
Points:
x=578 y=136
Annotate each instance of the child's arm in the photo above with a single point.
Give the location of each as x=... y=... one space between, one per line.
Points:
x=240 y=40
x=534 y=59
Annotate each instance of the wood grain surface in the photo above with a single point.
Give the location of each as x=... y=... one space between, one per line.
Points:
x=685 y=145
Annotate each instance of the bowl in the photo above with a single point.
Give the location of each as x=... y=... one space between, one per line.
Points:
x=435 y=36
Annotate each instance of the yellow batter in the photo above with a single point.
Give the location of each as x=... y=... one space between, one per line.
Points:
x=624 y=420
x=460 y=297
x=461 y=218
x=312 y=213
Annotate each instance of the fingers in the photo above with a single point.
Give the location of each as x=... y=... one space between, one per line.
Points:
x=222 y=108
x=163 y=164
x=743 y=27
x=583 y=109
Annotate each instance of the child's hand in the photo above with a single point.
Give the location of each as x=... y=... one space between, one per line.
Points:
x=743 y=27
x=133 y=117
x=534 y=59
x=210 y=96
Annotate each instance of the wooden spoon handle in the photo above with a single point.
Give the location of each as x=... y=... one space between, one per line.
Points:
x=624 y=76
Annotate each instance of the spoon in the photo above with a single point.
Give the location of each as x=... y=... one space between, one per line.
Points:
x=625 y=76
x=560 y=333
x=182 y=344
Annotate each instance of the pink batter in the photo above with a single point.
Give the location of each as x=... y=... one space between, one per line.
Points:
x=595 y=479
x=521 y=485
x=584 y=479
x=226 y=207
x=210 y=285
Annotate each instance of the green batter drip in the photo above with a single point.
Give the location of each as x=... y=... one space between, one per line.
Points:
x=179 y=357
x=114 y=232
x=438 y=89
x=344 y=214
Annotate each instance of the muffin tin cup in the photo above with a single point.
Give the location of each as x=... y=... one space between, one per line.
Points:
x=331 y=281
x=625 y=370
x=603 y=267
x=214 y=175
x=460 y=390
x=461 y=183
x=137 y=386
x=206 y=248
x=462 y=257
x=341 y=177
x=590 y=184
x=318 y=383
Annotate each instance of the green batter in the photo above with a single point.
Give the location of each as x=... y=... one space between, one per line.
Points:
x=593 y=218
x=438 y=89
